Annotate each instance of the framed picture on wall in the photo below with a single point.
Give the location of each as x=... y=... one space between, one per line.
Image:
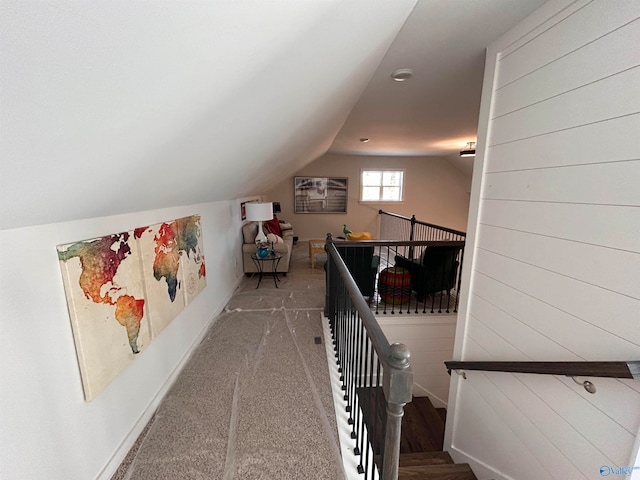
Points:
x=320 y=194
x=243 y=209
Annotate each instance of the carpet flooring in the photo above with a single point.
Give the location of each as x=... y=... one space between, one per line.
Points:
x=254 y=401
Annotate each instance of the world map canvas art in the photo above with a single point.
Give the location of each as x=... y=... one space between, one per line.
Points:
x=123 y=289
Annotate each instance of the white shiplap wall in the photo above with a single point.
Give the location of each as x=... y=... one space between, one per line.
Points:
x=554 y=244
x=430 y=341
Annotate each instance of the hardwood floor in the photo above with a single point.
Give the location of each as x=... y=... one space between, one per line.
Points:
x=421 y=440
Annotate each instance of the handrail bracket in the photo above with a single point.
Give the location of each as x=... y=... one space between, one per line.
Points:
x=588 y=386
x=462 y=373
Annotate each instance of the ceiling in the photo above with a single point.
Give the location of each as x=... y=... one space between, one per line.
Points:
x=112 y=106
x=435 y=112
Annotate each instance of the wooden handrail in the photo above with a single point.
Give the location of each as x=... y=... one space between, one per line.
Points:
x=622 y=369
x=382 y=212
x=400 y=243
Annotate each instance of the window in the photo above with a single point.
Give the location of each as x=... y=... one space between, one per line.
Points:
x=381 y=185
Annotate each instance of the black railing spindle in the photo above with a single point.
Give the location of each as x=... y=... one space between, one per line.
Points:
x=420 y=237
x=360 y=342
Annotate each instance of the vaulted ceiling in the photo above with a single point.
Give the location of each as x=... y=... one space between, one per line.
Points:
x=113 y=106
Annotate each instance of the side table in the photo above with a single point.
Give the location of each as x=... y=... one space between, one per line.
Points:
x=274 y=258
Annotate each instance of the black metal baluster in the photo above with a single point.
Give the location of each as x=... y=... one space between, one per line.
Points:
x=343 y=334
x=364 y=450
x=352 y=370
x=356 y=370
x=348 y=365
x=357 y=393
x=337 y=312
x=340 y=336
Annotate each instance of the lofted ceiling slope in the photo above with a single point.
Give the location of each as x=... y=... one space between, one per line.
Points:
x=435 y=112
x=115 y=107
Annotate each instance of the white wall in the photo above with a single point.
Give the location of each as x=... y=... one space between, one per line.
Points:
x=430 y=340
x=553 y=251
x=141 y=86
x=435 y=191
x=47 y=430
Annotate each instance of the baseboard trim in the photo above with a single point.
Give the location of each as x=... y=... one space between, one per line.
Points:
x=420 y=391
x=480 y=469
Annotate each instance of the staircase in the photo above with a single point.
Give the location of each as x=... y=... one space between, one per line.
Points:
x=421 y=455
x=422 y=436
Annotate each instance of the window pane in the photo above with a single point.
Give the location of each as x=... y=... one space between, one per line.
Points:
x=391 y=193
x=370 y=178
x=392 y=178
x=381 y=185
x=370 y=193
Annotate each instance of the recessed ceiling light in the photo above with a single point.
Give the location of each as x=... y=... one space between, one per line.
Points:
x=402 y=74
x=364 y=140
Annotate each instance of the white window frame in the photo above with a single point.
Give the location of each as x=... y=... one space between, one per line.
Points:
x=402 y=184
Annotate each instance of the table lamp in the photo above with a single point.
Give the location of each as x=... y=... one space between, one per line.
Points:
x=259 y=212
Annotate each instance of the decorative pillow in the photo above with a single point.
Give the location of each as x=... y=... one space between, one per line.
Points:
x=273 y=238
x=273 y=226
x=285 y=226
x=359 y=236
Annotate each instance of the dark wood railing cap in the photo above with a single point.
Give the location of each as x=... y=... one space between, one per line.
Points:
x=620 y=369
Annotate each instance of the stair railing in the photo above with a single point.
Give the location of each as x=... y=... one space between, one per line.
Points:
x=376 y=377
x=394 y=282
x=619 y=369
x=398 y=227
x=436 y=286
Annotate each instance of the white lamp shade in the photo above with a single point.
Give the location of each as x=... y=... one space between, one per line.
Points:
x=258 y=212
